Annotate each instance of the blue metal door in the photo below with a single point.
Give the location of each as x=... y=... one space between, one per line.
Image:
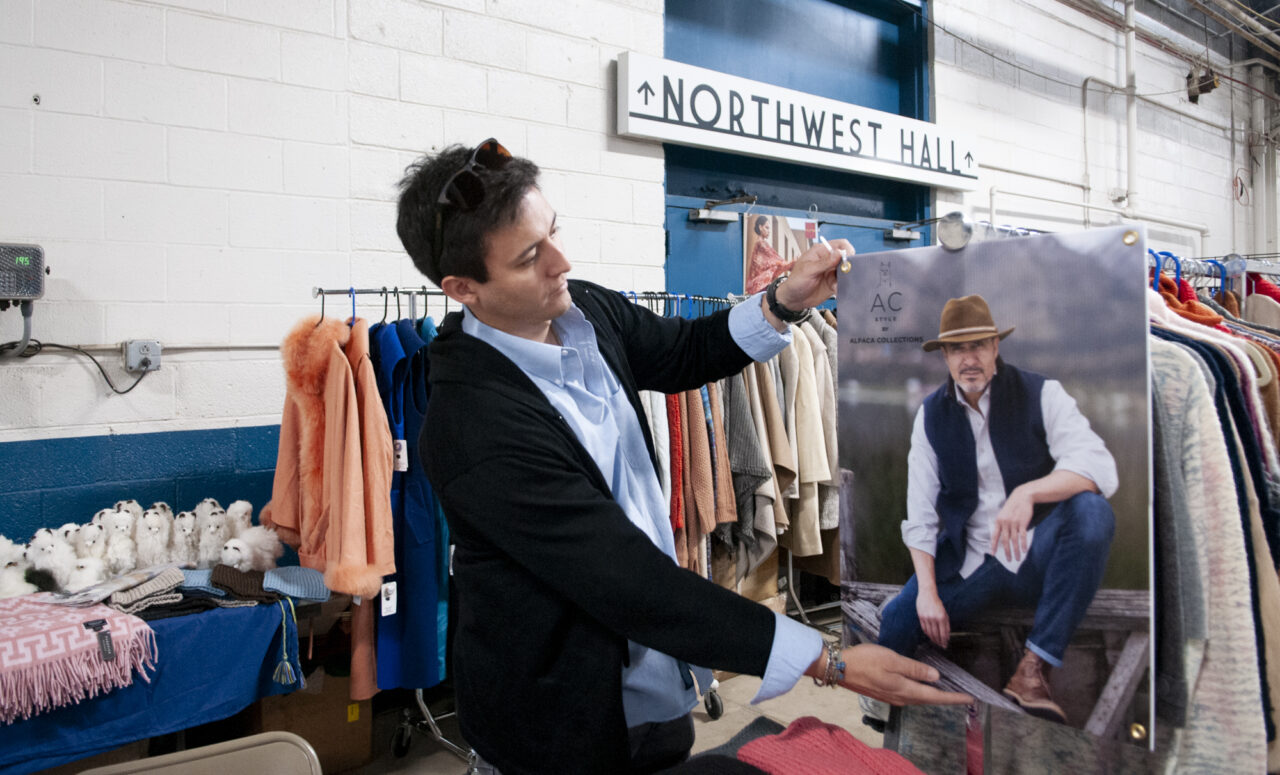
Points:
x=706 y=258
x=867 y=52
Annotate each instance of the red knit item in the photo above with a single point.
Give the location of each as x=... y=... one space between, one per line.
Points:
x=677 y=462
x=1259 y=284
x=810 y=747
x=1185 y=291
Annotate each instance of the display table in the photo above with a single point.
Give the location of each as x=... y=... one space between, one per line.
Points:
x=210 y=666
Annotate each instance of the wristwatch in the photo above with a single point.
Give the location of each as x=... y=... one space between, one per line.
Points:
x=785 y=314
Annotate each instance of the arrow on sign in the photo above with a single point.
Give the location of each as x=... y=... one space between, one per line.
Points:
x=968 y=157
x=646 y=90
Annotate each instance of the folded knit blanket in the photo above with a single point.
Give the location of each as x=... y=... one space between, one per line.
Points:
x=50 y=658
x=811 y=747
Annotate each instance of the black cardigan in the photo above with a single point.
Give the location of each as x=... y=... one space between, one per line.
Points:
x=552 y=577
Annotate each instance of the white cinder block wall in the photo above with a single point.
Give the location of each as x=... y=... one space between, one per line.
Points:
x=1011 y=73
x=193 y=168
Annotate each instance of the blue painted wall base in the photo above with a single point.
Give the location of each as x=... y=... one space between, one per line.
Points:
x=49 y=482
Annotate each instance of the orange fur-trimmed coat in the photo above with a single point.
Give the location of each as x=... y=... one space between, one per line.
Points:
x=331 y=497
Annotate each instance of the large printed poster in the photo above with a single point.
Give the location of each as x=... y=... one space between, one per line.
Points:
x=994 y=418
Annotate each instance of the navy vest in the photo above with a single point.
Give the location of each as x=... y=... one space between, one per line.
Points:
x=1017 y=437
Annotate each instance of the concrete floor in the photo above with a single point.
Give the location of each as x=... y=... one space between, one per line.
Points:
x=834 y=706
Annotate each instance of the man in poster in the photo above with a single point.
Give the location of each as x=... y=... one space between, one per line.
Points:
x=1006 y=503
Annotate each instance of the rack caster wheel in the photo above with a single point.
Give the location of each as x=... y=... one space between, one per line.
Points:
x=401 y=739
x=714 y=705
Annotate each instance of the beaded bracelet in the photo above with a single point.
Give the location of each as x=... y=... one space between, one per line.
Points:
x=835 y=668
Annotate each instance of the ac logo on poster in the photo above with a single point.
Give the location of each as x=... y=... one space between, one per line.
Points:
x=886 y=302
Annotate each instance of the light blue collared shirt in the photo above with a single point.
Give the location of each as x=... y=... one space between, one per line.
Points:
x=580 y=385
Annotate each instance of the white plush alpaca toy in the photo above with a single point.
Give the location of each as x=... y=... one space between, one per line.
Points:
x=206 y=507
x=257 y=548
x=132 y=506
x=240 y=513
x=50 y=553
x=214 y=531
x=184 y=540
x=100 y=518
x=68 y=532
x=87 y=572
x=122 y=551
x=13 y=568
x=151 y=534
x=91 y=541
x=163 y=508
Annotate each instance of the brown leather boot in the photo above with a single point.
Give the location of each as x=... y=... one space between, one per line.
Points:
x=1029 y=687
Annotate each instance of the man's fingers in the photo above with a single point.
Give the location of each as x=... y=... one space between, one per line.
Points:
x=914 y=669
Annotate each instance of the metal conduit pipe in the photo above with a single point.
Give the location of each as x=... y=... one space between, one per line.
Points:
x=1084 y=134
x=1181 y=224
x=1131 y=106
x=1258 y=128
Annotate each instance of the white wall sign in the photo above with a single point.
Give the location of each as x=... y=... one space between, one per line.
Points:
x=659 y=99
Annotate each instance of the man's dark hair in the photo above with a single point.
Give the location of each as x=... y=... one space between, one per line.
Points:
x=465 y=238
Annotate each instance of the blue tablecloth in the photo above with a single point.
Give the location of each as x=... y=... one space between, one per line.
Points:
x=211 y=665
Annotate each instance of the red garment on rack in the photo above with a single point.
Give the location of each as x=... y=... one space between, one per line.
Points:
x=811 y=747
x=1256 y=283
x=677 y=462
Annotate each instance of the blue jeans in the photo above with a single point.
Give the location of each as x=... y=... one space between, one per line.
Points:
x=1059 y=577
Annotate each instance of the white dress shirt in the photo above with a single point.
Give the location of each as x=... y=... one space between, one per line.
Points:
x=1072 y=444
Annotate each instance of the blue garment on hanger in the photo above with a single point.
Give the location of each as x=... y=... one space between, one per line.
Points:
x=389 y=366
x=413 y=636
x=428 y=332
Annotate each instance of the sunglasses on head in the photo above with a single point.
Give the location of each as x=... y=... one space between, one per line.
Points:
x=464 y=190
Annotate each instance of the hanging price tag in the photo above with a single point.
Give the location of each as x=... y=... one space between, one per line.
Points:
x=389 y=598
x=402 y=455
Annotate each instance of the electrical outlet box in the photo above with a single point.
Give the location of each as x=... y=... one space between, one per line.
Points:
x=141 y=355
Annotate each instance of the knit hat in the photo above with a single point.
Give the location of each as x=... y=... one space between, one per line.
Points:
x=197 y=579
x=246 y=585
x=165 y=581
x=966 y=319
x=296 y=581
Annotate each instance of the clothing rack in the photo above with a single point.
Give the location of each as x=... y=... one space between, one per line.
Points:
x=429 y=722
x=666 y=298
x=386 y=293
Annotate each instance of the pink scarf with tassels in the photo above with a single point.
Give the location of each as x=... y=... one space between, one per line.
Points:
x=48 y=658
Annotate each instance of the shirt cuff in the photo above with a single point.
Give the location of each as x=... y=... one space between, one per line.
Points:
x=795 y=646
x=753 y=333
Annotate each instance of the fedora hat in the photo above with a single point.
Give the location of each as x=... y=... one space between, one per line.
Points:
x=966 y=319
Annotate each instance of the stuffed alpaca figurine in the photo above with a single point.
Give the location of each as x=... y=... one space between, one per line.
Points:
x=13 y=568
x=206 y=507
x=184 y=541
x=68 y=532
x=91 y=541
x=240 y=513
x=87 y=572
x=214 y=531
x=151 y=534
x=50 y=553
x=122 y=552
x=100 y=518
x=163 y=508
x=132 y=506
x=257 y=548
